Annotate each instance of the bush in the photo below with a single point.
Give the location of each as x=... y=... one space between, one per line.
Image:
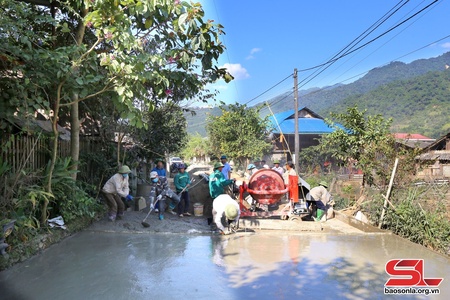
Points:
x=71 y=201
x=428 y=228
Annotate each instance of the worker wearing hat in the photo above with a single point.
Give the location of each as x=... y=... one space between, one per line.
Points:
x=217 y=181
x=115 y=188
x=257 y=163
x=226 y=170
x=182 y=182
x=277 y=167
x=320 y=197
x=160 y=191
x=251 y=169
x=226 y=213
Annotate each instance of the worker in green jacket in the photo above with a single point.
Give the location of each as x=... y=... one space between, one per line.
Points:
x=182 y=183
x=217 y=181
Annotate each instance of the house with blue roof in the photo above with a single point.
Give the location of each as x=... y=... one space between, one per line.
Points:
x=311 y=127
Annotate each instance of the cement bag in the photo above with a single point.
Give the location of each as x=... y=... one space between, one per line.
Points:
x=330 y=212
x=361 y=217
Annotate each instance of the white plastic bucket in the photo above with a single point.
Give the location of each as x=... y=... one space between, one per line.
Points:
x=198 y=209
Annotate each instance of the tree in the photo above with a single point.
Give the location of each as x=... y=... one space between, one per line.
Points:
x=239 y=132
x=196 y=147
x=165 y=132
x=137 y=52
x=364 y=139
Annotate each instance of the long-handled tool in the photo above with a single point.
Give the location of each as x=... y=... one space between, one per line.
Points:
x=145 y=224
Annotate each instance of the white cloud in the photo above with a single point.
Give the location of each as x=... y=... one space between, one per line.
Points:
x=446 y=45
x=238 y=71
x=253 y=51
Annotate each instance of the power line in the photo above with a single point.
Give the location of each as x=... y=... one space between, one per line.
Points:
x=272 y=87
x=384 y=43
x=348 y=52
x=356 y=41
x=347 y=79
x=367 y=43
x=351 y=45
x=335 y=58
x=409 y=53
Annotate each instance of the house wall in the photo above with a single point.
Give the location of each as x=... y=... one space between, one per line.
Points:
x=306 y=140
x=438 y=170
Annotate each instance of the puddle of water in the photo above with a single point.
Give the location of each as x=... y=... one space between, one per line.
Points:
x=261 y=266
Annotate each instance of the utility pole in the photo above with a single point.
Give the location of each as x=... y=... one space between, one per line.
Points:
x=297 y=138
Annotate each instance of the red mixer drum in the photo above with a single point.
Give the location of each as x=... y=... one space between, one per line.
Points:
x=266 y=186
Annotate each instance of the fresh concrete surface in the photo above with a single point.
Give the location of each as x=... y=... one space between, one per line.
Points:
x=246 y=265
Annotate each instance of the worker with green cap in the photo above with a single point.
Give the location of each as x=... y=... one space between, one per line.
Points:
x=320 y=197
x=226 y=213
x=217 y=181
x=276 y=167
x=115 y=188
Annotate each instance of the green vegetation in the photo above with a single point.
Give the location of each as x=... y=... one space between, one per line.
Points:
x=417 y=105
x=414 y=95
x=198 y=147
x=196 y=119
x=365 y=141
x=239 y=132
x=165 y=132
x=109 y=69
x=428 y=228
x=418 y=215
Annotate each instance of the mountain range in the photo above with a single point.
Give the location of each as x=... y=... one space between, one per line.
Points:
x=415 y=95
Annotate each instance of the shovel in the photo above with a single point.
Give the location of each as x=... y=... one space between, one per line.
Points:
x=145 y=224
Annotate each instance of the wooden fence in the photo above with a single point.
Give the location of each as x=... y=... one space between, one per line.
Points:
x=28 y=152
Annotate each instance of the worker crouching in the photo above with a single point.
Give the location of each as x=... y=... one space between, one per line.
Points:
x=161 y=192
x=115 y=188
x=321 y=198
x=226 y=213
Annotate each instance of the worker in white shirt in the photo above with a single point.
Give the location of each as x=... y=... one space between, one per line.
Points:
x=277 y=167
x=226 y=213
x=115 y=188
x=321 y=197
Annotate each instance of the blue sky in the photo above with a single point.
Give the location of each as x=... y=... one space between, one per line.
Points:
x=266 y=40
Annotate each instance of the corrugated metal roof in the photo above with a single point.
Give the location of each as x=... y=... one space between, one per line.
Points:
x=411 y=136
x=435 y=155
x=286 y=122
x=415 y=143
x=305 y=126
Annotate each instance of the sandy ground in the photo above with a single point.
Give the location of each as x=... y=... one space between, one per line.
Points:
x=132 y=222
x=173 y=224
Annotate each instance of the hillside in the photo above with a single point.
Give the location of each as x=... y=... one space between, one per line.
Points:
x=196 y=122
x=417 y=105
x=321 y=101
x=407 y=117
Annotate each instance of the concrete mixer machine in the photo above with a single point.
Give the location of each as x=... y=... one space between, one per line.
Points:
x=262 y=196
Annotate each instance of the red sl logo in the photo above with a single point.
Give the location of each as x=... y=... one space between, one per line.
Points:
x=408 y=272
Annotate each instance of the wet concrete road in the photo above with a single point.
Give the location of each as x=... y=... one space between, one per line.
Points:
x=95 y=265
